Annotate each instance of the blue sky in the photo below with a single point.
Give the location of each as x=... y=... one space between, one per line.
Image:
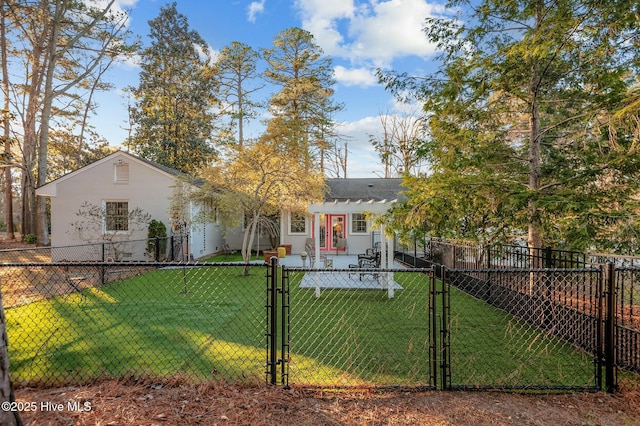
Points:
x=359 y=36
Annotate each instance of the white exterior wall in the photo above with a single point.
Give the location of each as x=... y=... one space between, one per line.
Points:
x=206 y=238
x=235 y=236
x=297 y=241
x=356 y=242
x=148 y=188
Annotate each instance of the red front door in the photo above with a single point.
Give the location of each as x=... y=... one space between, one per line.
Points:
x=332 y=227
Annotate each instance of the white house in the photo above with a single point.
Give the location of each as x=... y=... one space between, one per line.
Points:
x=342 y=223
x=122 y=182
x=117 y=185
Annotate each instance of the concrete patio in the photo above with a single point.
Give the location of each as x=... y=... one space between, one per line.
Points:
x=340 y=276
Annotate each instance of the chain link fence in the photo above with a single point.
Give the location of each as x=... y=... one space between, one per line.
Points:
x=360 y=327
x=119 y=249
x=513 y=329
x=70 y=322
x=414 y=328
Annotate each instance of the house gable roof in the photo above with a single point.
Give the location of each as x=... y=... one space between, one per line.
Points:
x=364 y=189
x=50 y=189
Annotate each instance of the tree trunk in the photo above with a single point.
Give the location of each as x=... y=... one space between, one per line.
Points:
x=247 y=242
x=30 y=143
x=534 y=228
x=42 y=228
x=7 y=417
x=240 y=115
x=534 y=239
x=8 y=190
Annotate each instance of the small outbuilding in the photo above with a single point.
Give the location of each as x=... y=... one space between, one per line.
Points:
x=94 y=204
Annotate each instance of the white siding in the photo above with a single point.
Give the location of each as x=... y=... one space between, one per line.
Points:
x=141 y=184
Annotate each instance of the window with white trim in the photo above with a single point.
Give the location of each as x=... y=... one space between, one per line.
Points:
x=297 y=223
x=358 y=223
x=116 y=216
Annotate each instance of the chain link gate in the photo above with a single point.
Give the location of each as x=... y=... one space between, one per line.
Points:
x=352 y=328
x=514 y=329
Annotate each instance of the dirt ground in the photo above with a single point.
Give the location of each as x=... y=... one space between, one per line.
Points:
x=149 y=403
x=13 y=244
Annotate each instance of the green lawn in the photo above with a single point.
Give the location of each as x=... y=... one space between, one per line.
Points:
x=232 y=257
x=357 y=337
x=210 y=323
x=386 y=341
x=200 y=322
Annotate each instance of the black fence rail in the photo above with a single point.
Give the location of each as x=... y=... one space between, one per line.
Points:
x=616 y=259
x=169 y=249
x=463 y=256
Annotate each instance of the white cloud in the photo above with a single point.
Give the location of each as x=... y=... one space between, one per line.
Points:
x=367 y=161
x=373 y=32
x=330 y=9
x=323 y=18
x=354 y=76
x=393 y=28
x=254 y=9
x=129 y=62
x=410 y=108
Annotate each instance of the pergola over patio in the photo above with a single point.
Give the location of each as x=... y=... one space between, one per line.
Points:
x=370 y=207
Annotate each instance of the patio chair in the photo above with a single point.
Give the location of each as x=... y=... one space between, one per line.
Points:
x=227 y=251
x=365 y=262
x=368 y=254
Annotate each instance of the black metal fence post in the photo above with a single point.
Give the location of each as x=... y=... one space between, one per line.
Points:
x=445 y=361
x=284 y=329
x=610 y=329
x=548 y=257
x=433 y=328
x=102 y=269
x=272 y=303
x=599 y=343
x=157 y=249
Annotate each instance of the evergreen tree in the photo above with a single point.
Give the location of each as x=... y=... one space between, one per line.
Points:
x=519 y=144
x=302 y=110
x=174 y=99
x=236 y=72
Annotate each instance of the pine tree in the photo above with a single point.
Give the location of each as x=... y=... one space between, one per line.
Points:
x=174 y=99
x=302 y=110
x=236 y=73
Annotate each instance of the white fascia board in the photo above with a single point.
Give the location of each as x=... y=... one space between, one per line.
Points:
x=336 y=207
